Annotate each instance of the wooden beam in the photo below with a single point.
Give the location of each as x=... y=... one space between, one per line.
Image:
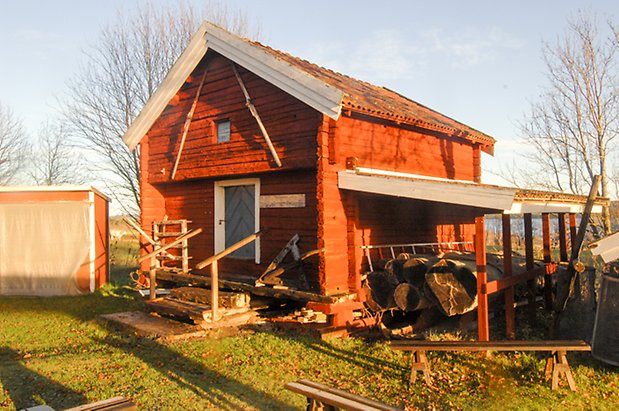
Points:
x=530 y=262
x=573 y=230
x=510 y=313
x=203 y=280
x=186 y=126
x=229 y=250
x=483 y=329
x=254 y=113
x=214 y=290
x=584 y=220
x=580 y=236
x=507 y=282
x=562 y=237
x=179 y=240
x=546 y=241
x=143 y=233
x=152 y=278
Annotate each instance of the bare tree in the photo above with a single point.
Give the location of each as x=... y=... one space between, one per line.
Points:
x=55 y=160
x=573 y=127
x=13 y=146
x=122 y=70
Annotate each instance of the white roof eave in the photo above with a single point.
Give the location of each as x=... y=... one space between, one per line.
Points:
x=308 y=89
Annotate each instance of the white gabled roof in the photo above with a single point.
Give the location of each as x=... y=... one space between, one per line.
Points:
x=294 y=81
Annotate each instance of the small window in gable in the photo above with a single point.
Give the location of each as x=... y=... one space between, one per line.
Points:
x=223 y=131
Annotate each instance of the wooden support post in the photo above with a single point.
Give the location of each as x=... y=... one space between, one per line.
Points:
x=510 y=316
x=573 y=230
x=530 y=262
x=547 y=260
x=152 y=277
x=214 y=290
x=254 y=113
x=185 y=249
x=187 y=124
x=483 y=327
x=562 y=238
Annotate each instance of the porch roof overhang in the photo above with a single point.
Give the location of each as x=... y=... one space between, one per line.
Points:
x=418 y=187
x=490 y=198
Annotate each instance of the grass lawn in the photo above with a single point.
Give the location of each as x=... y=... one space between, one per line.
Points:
x=54 y=351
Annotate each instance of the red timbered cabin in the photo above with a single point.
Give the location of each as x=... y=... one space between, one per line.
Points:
x=240 y=137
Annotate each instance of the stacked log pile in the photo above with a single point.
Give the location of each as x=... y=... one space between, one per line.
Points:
x=412 y=282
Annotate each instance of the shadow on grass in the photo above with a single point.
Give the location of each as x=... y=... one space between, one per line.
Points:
x=367 y=362
x=189 y=374
x=27 y=388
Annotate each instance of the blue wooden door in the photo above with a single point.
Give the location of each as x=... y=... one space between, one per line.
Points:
x=240 y=218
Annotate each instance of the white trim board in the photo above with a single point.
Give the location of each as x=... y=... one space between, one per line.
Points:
x=220 y=212
x=491 y=197
x=537 y=207
x=294 y=81
x=607 y=247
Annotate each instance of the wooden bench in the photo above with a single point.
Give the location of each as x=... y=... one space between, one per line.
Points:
x=322 y=397
x=556 y=364
x=111 y=404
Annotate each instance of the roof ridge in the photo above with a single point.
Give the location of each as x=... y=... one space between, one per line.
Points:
x=377 y=104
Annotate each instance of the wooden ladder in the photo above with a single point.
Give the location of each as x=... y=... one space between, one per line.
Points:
x=166 y=231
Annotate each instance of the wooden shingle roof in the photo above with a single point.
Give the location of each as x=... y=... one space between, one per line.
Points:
x=380 y=101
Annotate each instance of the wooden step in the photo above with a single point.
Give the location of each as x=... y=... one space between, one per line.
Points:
x=170 y=234
x=198 y=313
x=171 y=222
x=203 y=296
x=171 y=258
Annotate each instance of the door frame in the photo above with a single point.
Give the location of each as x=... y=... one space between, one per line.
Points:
x=220 y=211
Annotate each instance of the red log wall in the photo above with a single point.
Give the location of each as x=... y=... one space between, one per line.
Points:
x=290 y=123
x=348 y=220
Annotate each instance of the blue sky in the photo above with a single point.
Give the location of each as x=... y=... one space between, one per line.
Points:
x=476 y=61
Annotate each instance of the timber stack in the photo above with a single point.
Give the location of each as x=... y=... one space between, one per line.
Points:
x=448 y=281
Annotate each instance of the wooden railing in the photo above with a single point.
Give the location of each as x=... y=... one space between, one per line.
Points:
x=162 y=249
x=213 y=261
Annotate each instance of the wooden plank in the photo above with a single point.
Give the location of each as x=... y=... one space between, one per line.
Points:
x=229 y=250
x=179 y=240
x=573 y=229
x=187 y=124
x=483 y=322
x=510 y=312
x=143 y=233
x=580 y=236
x=344 y=394
x=567 y=345
x=337 y=398
x=562 y=237
x=116 y=403
x=214 y=290
x=546 y=242
x=254 y=113
x=528 y=246
x=240 y=286
x=177 y=308
x=504 y=283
